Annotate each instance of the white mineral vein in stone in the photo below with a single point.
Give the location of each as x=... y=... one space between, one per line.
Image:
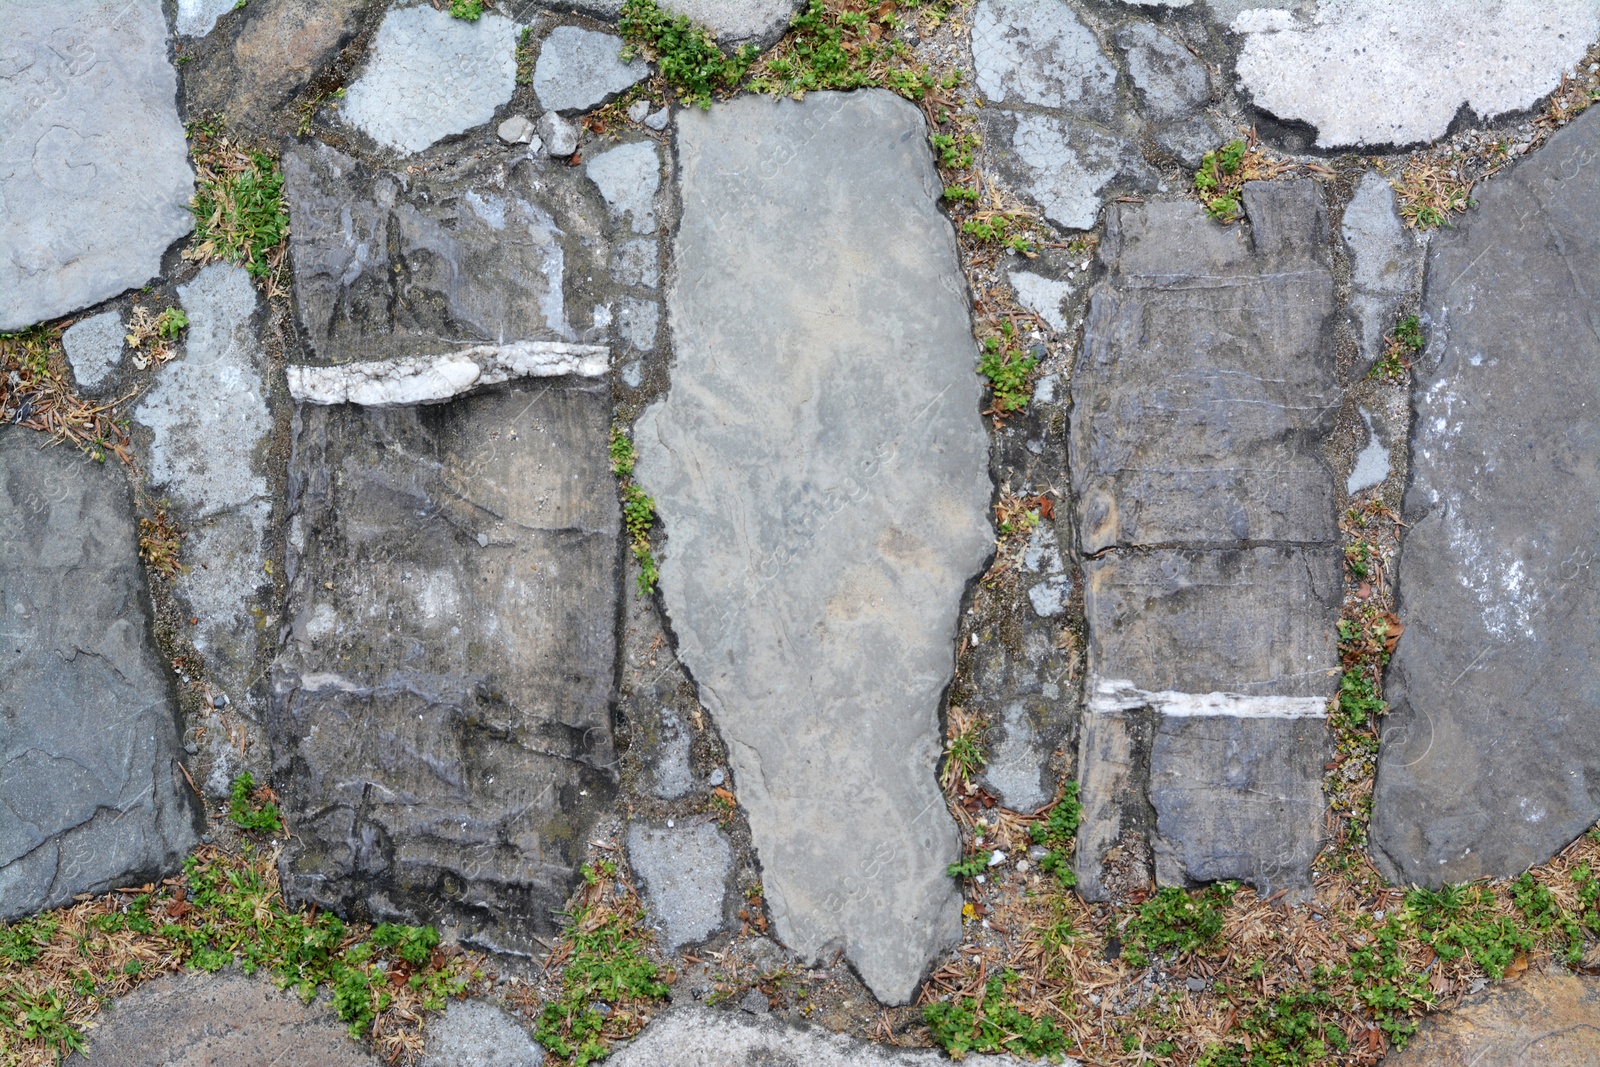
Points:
x=432 y=379
x=1115 y=694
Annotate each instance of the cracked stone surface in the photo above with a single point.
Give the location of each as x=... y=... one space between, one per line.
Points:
x=819 y=542
x=94 y=346
x=1040 y=54
x=580 y=69
x=472 y=1033
x=1487 y=757
x=431 y=76
x=683 y=870
x=439 y=714
x=88 y=719
x=1363 y=75
x=1199 y=400
x=628 y=177
x=1385 y=262
x=1174 y=86
x=88 y=211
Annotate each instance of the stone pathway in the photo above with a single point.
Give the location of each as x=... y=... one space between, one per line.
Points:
x=597 y=510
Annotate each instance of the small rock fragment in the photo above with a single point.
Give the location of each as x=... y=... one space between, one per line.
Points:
x=755 y=1002
x=518 y=129
x=638 y=110
x=580 y=69
x=559 y=135
x=659 y=120
x=717 y=777
x=94 y=346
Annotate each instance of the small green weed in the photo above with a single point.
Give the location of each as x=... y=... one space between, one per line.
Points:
x=251 y=808
x=1387 y=986
x=1174 y=920
x=525 y=57
x=1056 y=833
x=638 y=510
x=991 y=1022
x=955 y=153
x=1291 y=1028
x=686 y=55
x=965 y=755
x=470 y=10
x=997 y=227
x=1406 y=341
x=1007 y=370
x=1359 y=703
x=1217 y=181
x=842 y=44
x=970 y=867
x=238 y=204
x=1462 y=920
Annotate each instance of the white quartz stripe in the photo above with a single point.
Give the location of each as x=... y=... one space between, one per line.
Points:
x=1113 y=695
x=432 y=379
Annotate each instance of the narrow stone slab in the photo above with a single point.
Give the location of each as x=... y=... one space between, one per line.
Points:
x=219 y=1021
x=88 y=208
x=1385 y=263
x=1550 y=1018
x=1203 y=388
x=91 y=794
x=430 y=380
x=431 y=76
x=821 y=525
x=580 y=69
x=1488 y=757
x=1362 y=74
x=439 y=715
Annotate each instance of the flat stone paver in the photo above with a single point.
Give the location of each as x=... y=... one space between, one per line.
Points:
x=92 y=156
x=684 y=874
x=221 y=1020
x=1363 y=74
x=1490 y=747
x=1385 y=263
x=579 y=69
x=821 y=471
x=1202 y=391
x=440 y=712
x=431 y=76
x=1550 y=1018
x=473 y=1033
x=90 y=794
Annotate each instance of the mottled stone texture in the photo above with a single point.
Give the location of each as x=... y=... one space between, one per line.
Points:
x=93 y=166
x=1551 y=1019
x=90 y=793
x=440 y=711
x=1202 y=392
x=821 y=470
x=1490 y=749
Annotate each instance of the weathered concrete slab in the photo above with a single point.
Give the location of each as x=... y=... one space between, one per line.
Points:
x=704 y=1037
x=579 y=69
x=1041 y=54
x=1173 y=86
x=684 y=873
x=821 y=527
x=88 y=210
x=1362 y=74
x=220 y=1020
x=473 y=1033
x=1488 y=754
x=439 y=717
x=89 y=739
x=389 y=265
x=1551 y=1018
x=431 y=76
x=1385 y=263
x=1203 y=388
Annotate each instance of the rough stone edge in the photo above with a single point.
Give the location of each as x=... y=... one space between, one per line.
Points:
x=435 y=379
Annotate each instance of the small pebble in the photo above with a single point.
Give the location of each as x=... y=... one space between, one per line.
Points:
x=638 y=111
x=518 y=129
x=1022 y=866
x=717 y=777
x=659 y=120
x=483 y=540
x=1196 y=985
x=997 y=859
x=1037 y=853
x=755 y=1003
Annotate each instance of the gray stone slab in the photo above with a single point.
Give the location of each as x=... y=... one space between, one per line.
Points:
x=439 y=716
x=1362 y=74
x=1385 y=263
x=222 y=1020
x=579 y=69
x=1064 y=164
x=94 y=347
x=267 y=53
x=88 y=210
x=1206 y=378
x=1041 y=54
x=88 y=718
x=1372 y=462
x=683 y=870
x=393 y=265
x=628 y=177
x=1171 y=81
x=821 y=529
x=197 y=17
x=705 y=1037
x=473 y=1033
x=1238 y=798
x=431 y=76
x=1042 y=296
x=1488 y=752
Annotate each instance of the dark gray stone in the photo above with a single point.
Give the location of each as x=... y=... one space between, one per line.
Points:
x=1171 y=80
x=89 y=738
x=392 y=265
x=1064 y=164
x=439 y=715
x=1041 y=54
x=821 y=528
x=579 y=69
x=1203 y=389
x=92 y=156
x=1488 y=756
x=684 y=872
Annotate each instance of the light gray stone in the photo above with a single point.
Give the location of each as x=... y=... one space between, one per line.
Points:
x=1385 y=263
x=1488 y=754
x=684 y=874
x=1041 y=54
x=672 y=776
x=704 y=1037
x=637 y=321
x=1362 y=74
x=87 y=210
x=209 y=422
x=1202 y=391
x=818 y=543
x=204 y=1020
x=1372 y=462
x=638 y=110
x=88 y=721
x=560 y=136
x=1015 y=771
x=197 y=17
x=637 y=262
x=94 y=347
x=628 y=176
x=1171 y=80
x=1042 y=296
x=518 y=129
x=1042 y=560
x=473 y=1033
x=1064 y=164
x=657 y=120
x=432 y=76
x=440 y=710
x=579 y=69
